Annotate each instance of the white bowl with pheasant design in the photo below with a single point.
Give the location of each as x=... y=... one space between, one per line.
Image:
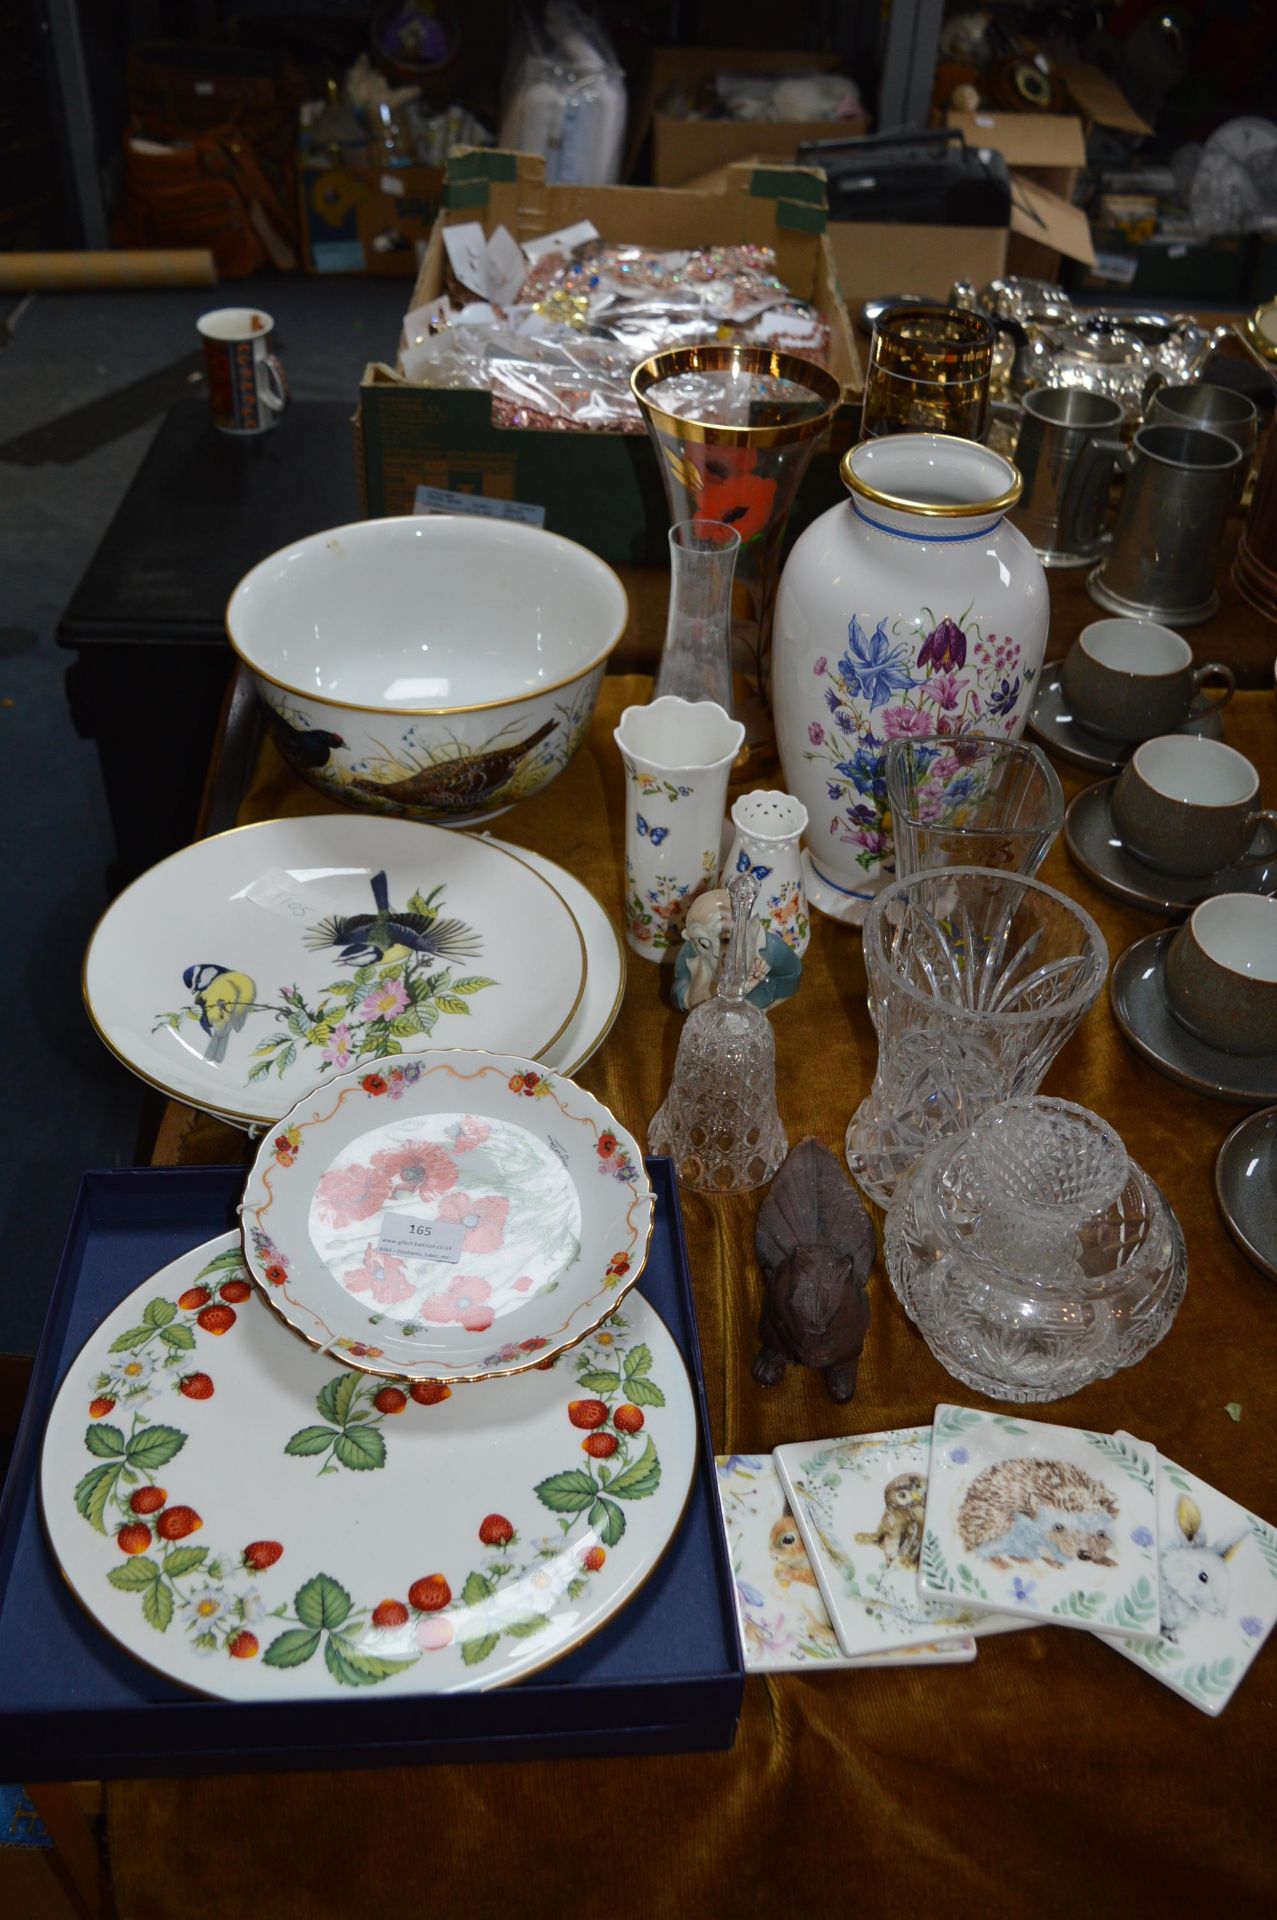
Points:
x=440 y=668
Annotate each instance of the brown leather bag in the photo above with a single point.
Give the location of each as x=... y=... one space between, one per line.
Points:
x=205 y=190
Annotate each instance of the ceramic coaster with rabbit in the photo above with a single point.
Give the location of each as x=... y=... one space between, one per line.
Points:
x=859 y=1502
x=1218 y=1574
x=1047 y=1522
x=784 y=1625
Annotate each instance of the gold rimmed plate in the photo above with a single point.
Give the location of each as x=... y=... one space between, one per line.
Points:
x=605 y=967
x=258 y=1523
x=451 y=1217
x=251 y=966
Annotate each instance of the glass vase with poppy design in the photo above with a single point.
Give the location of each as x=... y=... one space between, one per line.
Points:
x=734 y=428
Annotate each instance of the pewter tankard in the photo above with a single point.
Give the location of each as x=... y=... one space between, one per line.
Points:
x=1218 y=410
x=1165 y=549
x=1068 y=449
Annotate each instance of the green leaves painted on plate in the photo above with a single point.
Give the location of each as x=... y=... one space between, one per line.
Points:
x=147 y=1451
x=322 y=1607
x=349 y=1442
x=577 y=1491
x=641 y=1477
x=94 y=1491
x=353 y=1667
x=135 y=1575
x=322 y=1602
x=292 y=1648
x=570 y=1492
x=154 y=1447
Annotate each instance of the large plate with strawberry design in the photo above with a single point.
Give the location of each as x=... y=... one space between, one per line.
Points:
x=454 y=1216
x=243 y=970
x=258 y=1522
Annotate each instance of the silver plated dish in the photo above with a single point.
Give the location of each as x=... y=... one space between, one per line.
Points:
x=1137 y=994
x=1246 y=1188
x=1052 y=722
x=1124 y=356
x=1095 y=845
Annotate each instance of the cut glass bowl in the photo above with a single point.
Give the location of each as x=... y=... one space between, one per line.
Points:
x=1032 y=1254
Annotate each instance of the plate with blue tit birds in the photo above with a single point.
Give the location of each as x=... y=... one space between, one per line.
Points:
x=250 y=967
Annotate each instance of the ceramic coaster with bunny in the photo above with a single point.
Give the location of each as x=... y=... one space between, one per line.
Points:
x=859 y=1502
x=784 y=1625
x=1218 y=1569
x=1048 y=1522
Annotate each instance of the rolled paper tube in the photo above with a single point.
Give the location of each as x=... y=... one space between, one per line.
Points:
x=69 y=272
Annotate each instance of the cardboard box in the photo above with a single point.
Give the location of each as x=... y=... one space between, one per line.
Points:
x=1045 y=153
x=874 y=258
x=1099 y=100
x=1048 y=148
x=600 y=488
x=367 y=219
x=684 y=149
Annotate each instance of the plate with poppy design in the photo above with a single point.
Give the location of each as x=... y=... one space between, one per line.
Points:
x=455 y=1216
x=259 y=1523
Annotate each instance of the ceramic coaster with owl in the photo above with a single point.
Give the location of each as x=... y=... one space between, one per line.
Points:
x=859 y=1503
x=1217 y=1566
x=784 y=1625
x=1050 y=1523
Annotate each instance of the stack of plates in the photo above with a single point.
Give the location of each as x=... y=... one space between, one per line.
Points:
x=251 y=966
x=270 y=1517
x=433 y=1204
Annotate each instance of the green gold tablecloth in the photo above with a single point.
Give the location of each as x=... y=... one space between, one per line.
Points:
x=1050 y=1777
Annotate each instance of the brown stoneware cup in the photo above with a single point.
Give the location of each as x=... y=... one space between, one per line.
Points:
x=1221 y=973
x=1132 y=679
x=1187 y=806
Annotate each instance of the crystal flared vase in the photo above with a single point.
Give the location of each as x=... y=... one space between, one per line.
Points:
x=977 y=977
x=734 y=429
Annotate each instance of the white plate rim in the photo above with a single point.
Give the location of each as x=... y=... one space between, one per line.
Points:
x=436 y=1370
x=255 y=1121
x=223 y=1242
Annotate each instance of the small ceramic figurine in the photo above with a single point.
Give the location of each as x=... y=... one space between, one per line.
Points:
x=815 y=1245
x=777 y=969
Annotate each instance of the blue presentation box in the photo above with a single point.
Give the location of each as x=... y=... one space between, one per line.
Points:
x=665 y=1676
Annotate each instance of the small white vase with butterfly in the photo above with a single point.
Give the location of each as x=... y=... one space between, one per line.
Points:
x=677 y=755
x=768 y=827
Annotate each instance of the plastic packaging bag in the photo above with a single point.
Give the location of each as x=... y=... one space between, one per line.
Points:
x=561 y=355
x=565 y=97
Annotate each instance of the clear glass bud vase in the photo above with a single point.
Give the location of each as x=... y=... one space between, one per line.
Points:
x=696 y=663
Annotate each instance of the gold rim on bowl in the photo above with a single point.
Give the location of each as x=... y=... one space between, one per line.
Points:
x=472 y=706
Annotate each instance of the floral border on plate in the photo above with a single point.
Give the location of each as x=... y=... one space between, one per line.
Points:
x=617 y=1156
x=247 y=1610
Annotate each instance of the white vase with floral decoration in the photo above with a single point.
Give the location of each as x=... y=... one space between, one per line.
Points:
x=912 y=609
